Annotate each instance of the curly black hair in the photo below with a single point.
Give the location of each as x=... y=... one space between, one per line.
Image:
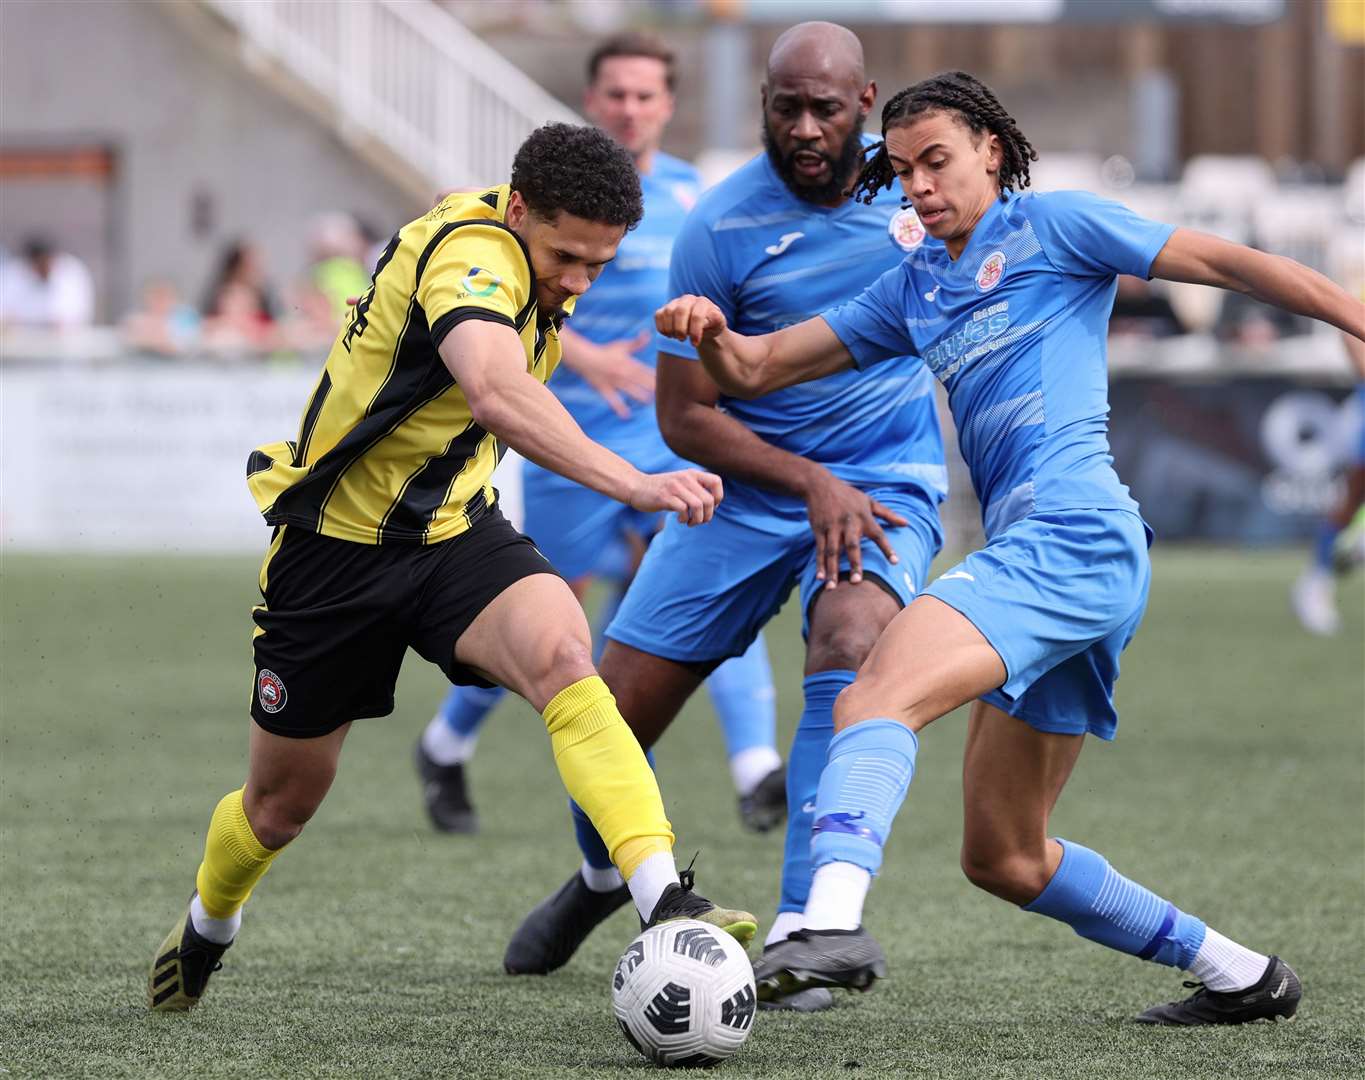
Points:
x=974 y=104
x=579 y=171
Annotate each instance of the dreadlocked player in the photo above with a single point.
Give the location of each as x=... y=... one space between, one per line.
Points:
x=1010 y=313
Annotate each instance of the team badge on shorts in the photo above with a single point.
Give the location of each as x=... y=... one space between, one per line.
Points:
x=270 y=690
x=992 y=270
x=906 y=229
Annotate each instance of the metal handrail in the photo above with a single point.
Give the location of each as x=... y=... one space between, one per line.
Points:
x=404 y=73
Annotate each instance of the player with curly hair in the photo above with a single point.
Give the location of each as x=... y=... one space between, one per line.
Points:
x=388 y=534
x=1009 y=311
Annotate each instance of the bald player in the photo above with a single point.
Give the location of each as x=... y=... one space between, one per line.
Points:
x=832 y=488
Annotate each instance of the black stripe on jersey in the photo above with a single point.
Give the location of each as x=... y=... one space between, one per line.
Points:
x=476 y=505
x=451 y=319
x=491 y=198
x=258 y=462
x=416 y=377
x=428 y=489
x=310 y=418
x=360 y=316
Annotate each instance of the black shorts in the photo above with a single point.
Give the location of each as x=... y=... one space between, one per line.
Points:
x=338 y=617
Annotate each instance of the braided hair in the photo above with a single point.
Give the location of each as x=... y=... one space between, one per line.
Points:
x=974 y=104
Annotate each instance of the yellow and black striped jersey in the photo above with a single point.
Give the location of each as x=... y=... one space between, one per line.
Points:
x=388 y=451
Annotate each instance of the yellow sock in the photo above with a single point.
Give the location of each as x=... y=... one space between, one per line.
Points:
x=605 y=772
x=234 y=859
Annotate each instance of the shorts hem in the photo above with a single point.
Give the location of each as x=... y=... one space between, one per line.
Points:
x=1014 y=685
x=680 y=656
x=373 y=713
x=1052 y=727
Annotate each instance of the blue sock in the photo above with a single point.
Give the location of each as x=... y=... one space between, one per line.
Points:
x=809 y=750
x=1101 y=904
x=595 y=852
x=742 y=693
x=862 y=786
x=1324 y=544
x=465 y=708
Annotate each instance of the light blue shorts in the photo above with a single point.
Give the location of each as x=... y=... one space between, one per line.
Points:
x=579 y=530
x=702 y=594
x=583 y=532
x=1058 y=595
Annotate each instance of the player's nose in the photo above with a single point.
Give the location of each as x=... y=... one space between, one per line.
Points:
x=575 y=282
x=806 y=126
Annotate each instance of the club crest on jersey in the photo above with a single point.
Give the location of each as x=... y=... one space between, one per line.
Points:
x=685 y=195
x=487 y=290
x=992 y=270
x=906 y=229
x=270 y=690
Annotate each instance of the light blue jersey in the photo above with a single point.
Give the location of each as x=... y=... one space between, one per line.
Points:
x=621 y=304
x=1015 y=329
x=768 y=260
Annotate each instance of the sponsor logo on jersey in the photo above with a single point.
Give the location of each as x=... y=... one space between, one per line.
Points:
x=906 y=229
x=992 y=270
x=270 y=690
x=785 y=241
x=488 y=290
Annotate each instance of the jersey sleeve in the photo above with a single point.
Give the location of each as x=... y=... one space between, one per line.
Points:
x=1087 y=236
x=475 y=271
x=872 y=325
x=696 y=267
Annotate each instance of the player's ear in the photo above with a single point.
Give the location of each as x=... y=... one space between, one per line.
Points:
x=516 y=211
x=995 y=154
x=867 y=99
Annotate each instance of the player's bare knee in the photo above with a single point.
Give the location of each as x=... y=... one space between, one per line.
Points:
x=277 y=818
x=1011 y=875
x=840 y=648
x=870 y=698
x=563 y=662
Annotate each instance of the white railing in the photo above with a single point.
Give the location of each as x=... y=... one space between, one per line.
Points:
x=404 y=73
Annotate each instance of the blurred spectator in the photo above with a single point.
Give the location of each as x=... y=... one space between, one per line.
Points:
x=45 y=287
x=164 y=324
x=338 y=267
x=238 y=289
x=375 y=242
x=1140 y=311
x=236 y=325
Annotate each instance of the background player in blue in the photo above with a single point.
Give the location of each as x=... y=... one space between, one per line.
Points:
x=606 y=382
x=831 y=484
x=1314 y=594
x=1011 y=314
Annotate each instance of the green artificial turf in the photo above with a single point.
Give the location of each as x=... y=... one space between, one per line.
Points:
x=373 y=948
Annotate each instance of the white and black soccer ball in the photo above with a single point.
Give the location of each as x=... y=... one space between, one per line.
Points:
x=683 y=993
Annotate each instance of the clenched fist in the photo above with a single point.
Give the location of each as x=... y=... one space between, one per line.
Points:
x=689 y=493
x=690 y=318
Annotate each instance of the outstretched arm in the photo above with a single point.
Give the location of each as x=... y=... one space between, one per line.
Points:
x=747 y=367
x=1273 y=279
x=488 y=363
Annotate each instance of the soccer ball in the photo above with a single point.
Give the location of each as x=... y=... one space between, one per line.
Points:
x=683 y=993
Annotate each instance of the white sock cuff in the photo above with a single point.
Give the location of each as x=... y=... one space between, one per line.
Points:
x=218 y=931
x=783 y=924
x=1222 y=965
x=600 y=880
x=749 y=767
x=649 y=881
x=444 y=746
x=837 y=892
